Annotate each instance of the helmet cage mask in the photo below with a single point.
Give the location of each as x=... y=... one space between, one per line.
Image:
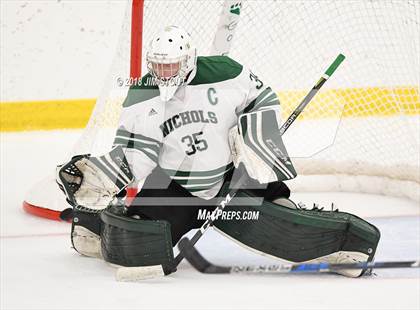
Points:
x=168 y=71
x=170 y=58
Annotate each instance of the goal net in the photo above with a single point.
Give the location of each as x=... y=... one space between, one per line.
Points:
x=360 y=133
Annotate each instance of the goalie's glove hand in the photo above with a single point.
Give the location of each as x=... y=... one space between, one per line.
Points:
x=93 y=182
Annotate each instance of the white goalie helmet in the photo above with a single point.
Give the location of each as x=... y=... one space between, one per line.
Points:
x=170 y=57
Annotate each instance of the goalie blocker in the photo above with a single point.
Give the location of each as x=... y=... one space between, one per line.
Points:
x=257 y=144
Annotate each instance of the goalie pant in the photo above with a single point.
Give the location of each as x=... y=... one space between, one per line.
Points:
x=282 y=230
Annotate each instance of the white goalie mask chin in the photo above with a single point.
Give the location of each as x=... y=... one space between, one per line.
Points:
x=170 y=57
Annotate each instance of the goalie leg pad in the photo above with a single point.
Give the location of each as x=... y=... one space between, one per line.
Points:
x=131 y=242
x=301 y=235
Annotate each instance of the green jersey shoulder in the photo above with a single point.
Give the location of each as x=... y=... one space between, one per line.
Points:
x=214 y=69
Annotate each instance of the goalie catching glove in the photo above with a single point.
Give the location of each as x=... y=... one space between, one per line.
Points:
x=256 y=142
x=93 y=182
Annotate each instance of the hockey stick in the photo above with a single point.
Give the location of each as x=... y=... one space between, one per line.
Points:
x=204 y=266
x=127 y=274
x=312 y=93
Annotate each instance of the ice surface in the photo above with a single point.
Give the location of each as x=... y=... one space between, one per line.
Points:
x=39 y=270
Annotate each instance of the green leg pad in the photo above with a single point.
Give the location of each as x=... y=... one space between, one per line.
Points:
x=298 y=234
x=132 y=243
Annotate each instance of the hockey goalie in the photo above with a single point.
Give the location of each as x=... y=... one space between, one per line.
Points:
x=187 y=133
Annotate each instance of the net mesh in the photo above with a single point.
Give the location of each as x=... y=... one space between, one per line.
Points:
x=365 y=119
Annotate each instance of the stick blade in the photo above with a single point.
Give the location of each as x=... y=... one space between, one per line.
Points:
x=196 y=260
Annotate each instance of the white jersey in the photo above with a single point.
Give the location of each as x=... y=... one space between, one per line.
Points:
x=188 y=135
